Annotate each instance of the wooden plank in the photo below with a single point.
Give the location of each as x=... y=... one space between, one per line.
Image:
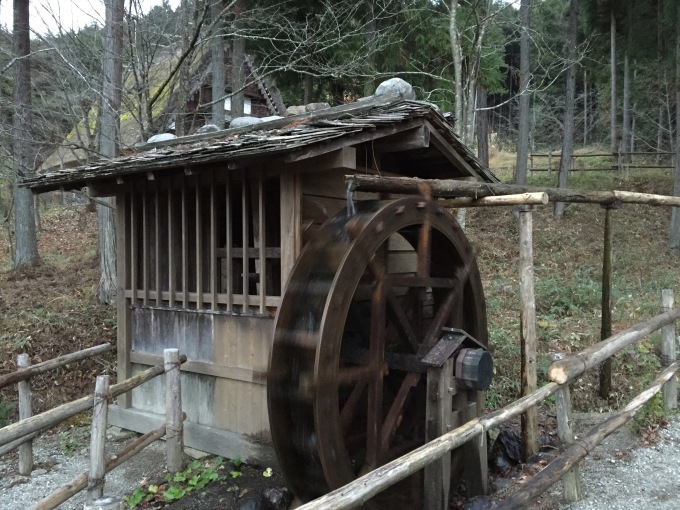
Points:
x=124 y=273
x=95 y=479
x=199 y=245
x=291 y=224
x=173 y=411
x=172 y=262
x=185 y=247
x=157 y=241
x=134 y=243
x=262 y=242
x=213 y=243
x=571 y=479
x=245 y=240
x=145 y=245
x=238 y=299
x=25 y=411
x=229 y=218
x=606 y=324
x=414 y=139
x=340 y=160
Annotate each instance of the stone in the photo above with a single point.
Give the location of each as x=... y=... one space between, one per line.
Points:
x=279 y=498
x=296 y=110
x=271 y=117
x=396 y=87
x=315 y=107
x=38 y=472
x=208 y=128
x=162 y=137
x=253 y=501
x=244 y=121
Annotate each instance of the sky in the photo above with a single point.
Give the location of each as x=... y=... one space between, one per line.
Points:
x=47 y=15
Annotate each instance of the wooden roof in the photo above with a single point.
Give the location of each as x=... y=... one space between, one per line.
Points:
x=383 y=120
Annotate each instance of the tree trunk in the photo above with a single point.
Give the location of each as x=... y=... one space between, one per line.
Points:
x=568 y=141
x=309 y=89
x=217 y=54
x=26 y=253
x=674 y=235
x=482 y=127
x=457 y=69
x=585 y=108
x=108 y=143
x=370 y=33
x=625 y=128
x=238 y=56
x=524 y=81
x=612 y=108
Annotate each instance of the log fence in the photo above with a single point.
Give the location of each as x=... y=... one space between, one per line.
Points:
x=21 y=434
x=621 y=162
x=561 y=373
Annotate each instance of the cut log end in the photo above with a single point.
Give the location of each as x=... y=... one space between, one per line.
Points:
x=557 y=374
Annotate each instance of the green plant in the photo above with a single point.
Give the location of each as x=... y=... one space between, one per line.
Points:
x=6 y=411
x=654 y=412
x=70 y=441
x=196 y=476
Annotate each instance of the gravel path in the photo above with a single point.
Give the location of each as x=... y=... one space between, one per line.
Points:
x=618 y=475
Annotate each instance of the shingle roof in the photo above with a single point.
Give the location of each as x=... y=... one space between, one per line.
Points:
x=279 y=137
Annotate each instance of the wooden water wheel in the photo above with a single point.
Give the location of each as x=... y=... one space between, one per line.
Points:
x=368 y=297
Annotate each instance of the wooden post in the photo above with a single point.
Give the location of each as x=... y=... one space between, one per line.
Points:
x=572 y=479
x=549 y=163
x=606 y=328
x=438 y=414
x=25 y=411
x=528 y=330
x=95 y=482
x=670 y=389
x=173 y=411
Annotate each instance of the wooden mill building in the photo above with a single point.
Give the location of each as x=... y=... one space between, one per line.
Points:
x=208 y=230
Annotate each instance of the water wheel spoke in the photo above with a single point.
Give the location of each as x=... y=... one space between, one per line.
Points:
x=424 y=245
x=375 y=387
x=394 y=415
x=349 y=408
x=439 y=321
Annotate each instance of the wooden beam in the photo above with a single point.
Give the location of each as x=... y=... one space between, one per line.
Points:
x=451 y=154
x=344 y=158
x=124 y=274
x=453 y=188
x=413 y=139
x=569 y=368
x=539 y=198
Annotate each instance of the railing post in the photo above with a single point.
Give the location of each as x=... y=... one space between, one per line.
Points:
x=95 y=481
x=571 y=479
x=25 y=411
x=528 y=329
x=173 y=412
x=670 y=389
x=549 y=163
x=606 y=326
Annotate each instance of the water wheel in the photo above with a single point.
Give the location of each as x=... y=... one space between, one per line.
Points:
x=366 y=300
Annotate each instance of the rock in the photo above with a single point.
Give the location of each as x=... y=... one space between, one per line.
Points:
x=244 y=121
x=315 y=107
x=296 y=110
x=396 y=87
x=253 y=501
x=38 y=472
x=279 y=499
x=162 y=137
x=271 y=117
x=506 y=451
x=208 y=128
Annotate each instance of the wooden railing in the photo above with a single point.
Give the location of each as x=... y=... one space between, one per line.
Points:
x=617 y=161
x=21 y=434
x=561 y=373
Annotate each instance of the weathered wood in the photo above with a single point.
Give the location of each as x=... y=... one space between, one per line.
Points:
x=172 y=264
x=229 y=262
x=528 y=339
x=123 y=279
x=606 y=327
x=15 y=444
x=95 y=479
x=562 y=464
x=157 y=242
x=185 y=246
x=571 y=479
x=145 y=244
x=571 y=367
x=413 y=139
x=537 y=198
x=198 y=226
x=668 y=356
x=213 y=244
x=262 y=243
x=245 y=239
x=363 y=488
x=291 y=224
x=80 y=482
x=65 y=411
x=25 y=373
x=437 y=477
x=25 y=411
x=173 y=411
x=453 y=188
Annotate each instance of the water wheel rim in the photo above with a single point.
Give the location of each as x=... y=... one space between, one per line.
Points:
x=357 y=239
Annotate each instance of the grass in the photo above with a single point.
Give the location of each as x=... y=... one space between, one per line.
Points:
x=568 y=267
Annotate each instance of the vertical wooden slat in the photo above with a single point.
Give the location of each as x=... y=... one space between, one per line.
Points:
x=25 y=411
x=171 y=249
x=95 y=478
x=185 y=247
x=145 y=245
x=174 y=427
x=157 y=213
x=125 y=269
x=213 y=244
x=199 y=251
x=244 y=222
x=291 y=238
x=668 y=356
x=229 y=263
x=262 y=242
x=134 y=247
x=606 y=327
x=571 y=480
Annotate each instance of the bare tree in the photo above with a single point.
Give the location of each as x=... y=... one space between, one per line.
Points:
x=568 y=141
x=108 y=143
x=217 y=55
x=674 y=236
x=524 y=98
x=26 y=253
